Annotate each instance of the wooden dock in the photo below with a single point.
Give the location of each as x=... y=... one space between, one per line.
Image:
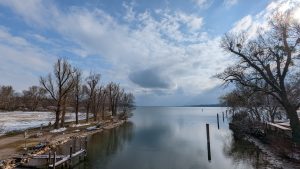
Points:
x=55 y=161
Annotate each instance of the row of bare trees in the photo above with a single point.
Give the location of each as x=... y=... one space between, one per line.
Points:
x=258 y=106
x=268 y=65
x=32 y=99
x=66 y=90
x=67 y=87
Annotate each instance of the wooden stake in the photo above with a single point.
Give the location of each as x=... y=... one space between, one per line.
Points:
x=208 y=143
x=54 y=160
x=218 y=120
x=223 y=116
x=70 y=155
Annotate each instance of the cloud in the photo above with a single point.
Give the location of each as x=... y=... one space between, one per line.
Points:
x=169 y=41
x=33 y=11
x=203 y=3
x=130 y=13
x=150 y=78
x=229 y=3
x=251 y=24
x=21 y=61
x=243 y=25
x=153 y=52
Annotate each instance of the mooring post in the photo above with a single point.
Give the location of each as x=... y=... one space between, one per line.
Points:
x=223 y=116
x=208 y=143
x=54 y=159
x=25 y=137
x=207 y=133
x=70 y=156
x=218 y=120
x=86 y=147
x=49 y=158
x=80 y=148
x=86 y=143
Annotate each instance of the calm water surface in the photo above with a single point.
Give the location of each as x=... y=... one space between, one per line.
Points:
x=170 y=138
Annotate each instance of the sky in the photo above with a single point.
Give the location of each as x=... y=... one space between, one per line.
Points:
x=166 y=52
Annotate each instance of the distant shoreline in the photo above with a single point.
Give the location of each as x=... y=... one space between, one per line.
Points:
x=204 y=105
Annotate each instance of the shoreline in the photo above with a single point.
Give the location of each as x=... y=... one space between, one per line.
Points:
x=51 y=140
x=272 y=156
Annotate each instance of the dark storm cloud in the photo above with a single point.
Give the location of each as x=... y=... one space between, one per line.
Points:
x=150 y=78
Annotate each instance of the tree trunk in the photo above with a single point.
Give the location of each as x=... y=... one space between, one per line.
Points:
x=76 y=111
x=57 y=114
x=103 y=112
x=87 y=113
x=272 y=115
x=95 y=116
x=294 y=123
x=62 y=122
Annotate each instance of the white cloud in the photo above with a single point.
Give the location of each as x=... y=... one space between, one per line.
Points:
x=32 y=11
x=171 y=42
x=229 y=3
x=243 y=24
x=251 y=24
x=203 y=3
x=21 y=61
x=150 y=44
x=130 y=13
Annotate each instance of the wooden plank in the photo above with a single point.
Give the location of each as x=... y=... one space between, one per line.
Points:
x=46 y=156
x=279 y=126
x=66 y=158
x=284 y=124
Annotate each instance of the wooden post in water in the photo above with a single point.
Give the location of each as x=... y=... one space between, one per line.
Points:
x=223 y=116
x=49 y=158
x=226 y=114
x=208 y=143
x=86 y=147
x=80 y=148
x=54 y=159
x=218 y=120
x=70 y=163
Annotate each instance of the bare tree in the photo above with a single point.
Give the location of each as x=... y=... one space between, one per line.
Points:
x=268 y=64
x=65 y=103
x=7 y=98
x=77 y=92
x=92 y=81
x=60 y=86
x=114 y=94
x=33 y=97
x=126 y=104
x=101 y=97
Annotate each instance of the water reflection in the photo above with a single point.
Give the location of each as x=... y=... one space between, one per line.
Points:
x=169 y=138
x=103 y=146
x=242 y=150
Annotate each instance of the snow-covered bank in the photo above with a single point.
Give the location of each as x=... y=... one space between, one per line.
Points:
x=18 y=120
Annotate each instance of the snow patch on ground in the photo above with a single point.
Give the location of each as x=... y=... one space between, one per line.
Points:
x=80 y=125
x=58 y=130
x=92 y=128
x=19 y=120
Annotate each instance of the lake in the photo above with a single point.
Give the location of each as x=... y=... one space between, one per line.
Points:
x=171 y=138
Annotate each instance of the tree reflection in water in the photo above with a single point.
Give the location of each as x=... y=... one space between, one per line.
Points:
x=243 y=151
x=103 y=146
